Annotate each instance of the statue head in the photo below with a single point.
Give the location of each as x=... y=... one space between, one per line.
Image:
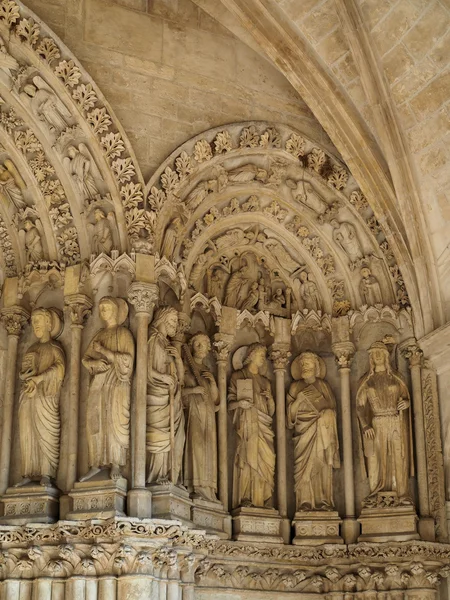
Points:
x=365 y=272
x=113 y=311
x=30 y=90
x=334 y=223
x=46 y=323
x=308 y=366
x=200 y=345
x=303 y=276
x=256 y=355
x=167 y=317
x=99 y=214
x=28 y=225
x=379 y=357
x=72 y=152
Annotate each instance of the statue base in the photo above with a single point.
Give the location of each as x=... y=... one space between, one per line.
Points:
x=313 y=527
x=210 y=516
x=32 y=503
x=388 y=523
x=171 y=502
x=257 y=525
x=98 y=499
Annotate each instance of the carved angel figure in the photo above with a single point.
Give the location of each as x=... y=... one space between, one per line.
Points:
x=200 y=396
x=46 y=105
x=165 y=417
x=102 y=239
x=12 y=184
x=109 y=359
x=383 y=409
x=369 y=288
x=251 y=402
x=311 y=412
x=78 y=164
x=33 y=242
x=344 y=234
x=42 y=375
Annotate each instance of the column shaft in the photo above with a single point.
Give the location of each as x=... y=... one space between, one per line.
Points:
x=74 y=405
x=419 y=431
x=281 y=441
x=8 y=406
x=347 y=439
x=140 y=404
x=223 y=432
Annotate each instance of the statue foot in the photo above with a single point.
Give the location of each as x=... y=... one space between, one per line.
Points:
x=46 y=481
x=23 y=482
x=162 y=481
x=92 y=471
x=115 y=473
x=246 y=503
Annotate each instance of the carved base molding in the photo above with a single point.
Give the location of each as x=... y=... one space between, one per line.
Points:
x=98 y=499
x=397 y=523
x=171 y=502
x=30 y=504
x=316 y=527
x=211 y=517
x=257 y=525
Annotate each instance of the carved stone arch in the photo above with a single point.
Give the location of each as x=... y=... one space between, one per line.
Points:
x=228 y=176
x=50 y=104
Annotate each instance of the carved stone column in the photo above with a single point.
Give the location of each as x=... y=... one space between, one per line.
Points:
x=143 y=296
x=426 y=523
x=14 y=319
x=280 y=357
x=80 y=308
x=350 y=527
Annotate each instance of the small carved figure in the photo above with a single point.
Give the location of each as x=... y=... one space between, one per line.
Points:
x=238 y=285
x=33 y=242
x=200 y=396
x=305 y=193
x=171 y=237
x=78 y=164
x=47 y=106
x=165 y=417
x=344 y=234
x=278 y=299
x=311 y=411
x=109 y=359
x=252 y=299
x=309 y=293
x=42 y=375
x=247 y=173
x=370 y=288
x=12 y=184
x=102 y=238
x=7 y=62
x=383 y=410
x=216 y=283
x=251 y=402
x=279 y=252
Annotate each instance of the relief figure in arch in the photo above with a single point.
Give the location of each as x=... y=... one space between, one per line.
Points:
x=369 y=288
x=201 y=398
x=33 y=243
x=102 y=238
x=383 y=410
x=165 y=417
x=42 y=375
x=311 y=412
x=252 y=406
x=109 y=359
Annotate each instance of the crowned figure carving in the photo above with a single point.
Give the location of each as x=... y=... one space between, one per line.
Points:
x=251 y=403
x=42 y=375
x=383 y=409
x=110 y=360
x=311 y=412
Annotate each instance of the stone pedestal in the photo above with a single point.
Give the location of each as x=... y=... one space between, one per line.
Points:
x=394 y=523
x=171 y=502
x=316 y=527
x=211 y=517
x=97 y=499
x=30 y=504
x=257 y=525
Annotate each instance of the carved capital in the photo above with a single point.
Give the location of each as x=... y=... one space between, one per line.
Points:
x=414 y=354
x=143 y=296
x=343 y=352
x=222 y=346
x=14 y=319
x=80 y=307
x=279 y=357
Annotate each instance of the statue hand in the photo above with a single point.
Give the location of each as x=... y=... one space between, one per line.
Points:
x=245 y=404
x=98 y=347
x=201 y=390
x=172 y=351
x=369 y=433
x=102 y=365
x=29 y=386
x=402 y=404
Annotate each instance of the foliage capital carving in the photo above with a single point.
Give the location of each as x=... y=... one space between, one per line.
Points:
x=280 y=357
x=80 y=307
x=222 y=346
x=14 y=319
x=343 y=352
x=413 y=353
x=143 y=296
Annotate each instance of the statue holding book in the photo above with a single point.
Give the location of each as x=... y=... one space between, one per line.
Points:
x=311 y=412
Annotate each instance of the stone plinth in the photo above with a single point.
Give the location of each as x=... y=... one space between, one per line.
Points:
x=97 y=499
x=211 y=517
x=30 y=504
x=257 y=525
x=171 y=502
x=385 y=524
x=316 y=527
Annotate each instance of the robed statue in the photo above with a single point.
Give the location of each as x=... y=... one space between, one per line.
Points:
x=110 y=360
x=201 y=399
x=311 y=412
x=383 y=409
x=251 y=403
x=165 y=417
x=42 y=375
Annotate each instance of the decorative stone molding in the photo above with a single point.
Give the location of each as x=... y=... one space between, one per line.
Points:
x=143 y=296
x=80 y=307
x=14 y=319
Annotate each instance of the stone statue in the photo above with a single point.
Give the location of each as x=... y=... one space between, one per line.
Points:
x=33 y=243
x=165 y=418
x=42 y=374
x=309 y=293
x=78 y=164
x=383 y=410
x=344 y=234
x=238 y=286
x=370 y=288
x=171 y=237
x=12 y=184
x=251 y=403
x=109 y=359
x=311 y=412
x=201 y=397
x=47 y=106
x=102 y=238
